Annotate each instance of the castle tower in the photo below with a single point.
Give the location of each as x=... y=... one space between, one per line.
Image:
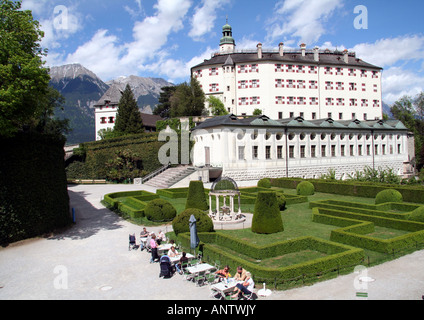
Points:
x=227 y=43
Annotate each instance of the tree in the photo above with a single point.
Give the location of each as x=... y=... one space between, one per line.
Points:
x=128 y=118
x=411 y=112
x=164 y=107
x=188 y=100
x=23 y=78
x=217 y=107
x=257 y=112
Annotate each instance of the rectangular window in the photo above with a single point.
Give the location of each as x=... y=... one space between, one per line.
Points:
x=241 y=153
x=255 y=152
x=291 y=152
x=268 y=152
x=302 y=152
x=323 y=152
x=279 y=152
x=313 y=151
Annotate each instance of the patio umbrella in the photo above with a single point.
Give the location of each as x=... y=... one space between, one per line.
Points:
x=194 y=238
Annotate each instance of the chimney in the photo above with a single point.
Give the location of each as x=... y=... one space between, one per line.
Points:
x=346 y=56
x=303 y=48
x=259 y=46
x=281 y=47
x=316 y=54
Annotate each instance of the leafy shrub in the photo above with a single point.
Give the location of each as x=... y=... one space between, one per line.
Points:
x=417 y=215
x=305 y=188
x=267 y=216
x=181 y=223
x=264 y=183
x=196 y=196
x=281 y=200
x=160 y=210
x=388 y=195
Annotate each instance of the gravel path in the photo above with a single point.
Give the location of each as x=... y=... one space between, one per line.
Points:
x=91 y=261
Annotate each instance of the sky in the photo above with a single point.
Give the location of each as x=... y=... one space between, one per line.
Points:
x=165 y=38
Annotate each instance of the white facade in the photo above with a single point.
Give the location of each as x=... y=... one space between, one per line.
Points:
x=297 y=148
x=313 y=84
x=105 y=118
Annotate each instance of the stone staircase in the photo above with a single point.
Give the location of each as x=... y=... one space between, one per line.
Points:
x=170 y=177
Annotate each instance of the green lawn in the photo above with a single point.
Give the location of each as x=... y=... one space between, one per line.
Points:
x=297 y=220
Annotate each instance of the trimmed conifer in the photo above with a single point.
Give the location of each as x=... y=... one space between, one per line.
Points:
x=128 y=117
x=196 y=196
x=267 y=216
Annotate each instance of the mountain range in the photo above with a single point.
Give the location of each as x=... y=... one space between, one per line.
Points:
x=82 y=89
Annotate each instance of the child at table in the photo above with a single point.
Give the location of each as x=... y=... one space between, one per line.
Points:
x=172 y=252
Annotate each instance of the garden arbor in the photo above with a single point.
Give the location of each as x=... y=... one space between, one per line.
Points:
x=225 y=188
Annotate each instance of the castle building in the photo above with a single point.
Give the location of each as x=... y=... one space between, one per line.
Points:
x=251 y=148
x=312 y=84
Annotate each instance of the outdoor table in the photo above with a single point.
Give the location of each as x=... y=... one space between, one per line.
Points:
x=176 y=259
x=164 y=247
x=223 y=287
x=203 y=267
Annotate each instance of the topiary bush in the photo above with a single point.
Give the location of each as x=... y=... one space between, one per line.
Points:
x=181 y=223
x=417 y=215
x=196 y=196
x=388 y=195
x=159 y=210
x=305 y=188
x=267 y=216
x=264 y=183
x=281 y=200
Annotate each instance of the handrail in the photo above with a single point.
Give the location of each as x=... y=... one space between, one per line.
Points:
x=154 y=174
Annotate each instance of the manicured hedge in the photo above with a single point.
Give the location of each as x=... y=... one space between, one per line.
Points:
x=388 y=195
x=34 y=197
x=357 y=225
x=413 y=194
x=305 y=188
x=134 y=205
x=181 y=223
x=215 y=247
x=159 y=210
x=267 y=216
x=196 y=196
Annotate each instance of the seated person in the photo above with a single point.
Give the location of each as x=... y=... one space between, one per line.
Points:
x=240 y=275
x=160 y=237
x=246 y=287
x=143 y=235
x=172 y=252
x=224 y=273
x=182 y=264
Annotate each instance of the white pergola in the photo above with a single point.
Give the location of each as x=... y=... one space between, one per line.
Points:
x=226 y=212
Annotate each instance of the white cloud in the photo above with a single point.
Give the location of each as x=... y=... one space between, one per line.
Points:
x=178 y=69
x=203 y=20
x=303 y=19
x=36 y=6
x=58 y=28
x=400 y=57
x=107 y=57
x=387 y=52
x=100 y=55
x=398 y=82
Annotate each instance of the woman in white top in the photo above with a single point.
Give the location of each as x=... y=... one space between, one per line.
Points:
x=246 y=287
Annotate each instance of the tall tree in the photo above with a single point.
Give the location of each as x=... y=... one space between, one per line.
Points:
x=164 y=107
x=23 y=78
x=188 y=100
x=411 y=112
x=216 y=106
x=128 y=118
